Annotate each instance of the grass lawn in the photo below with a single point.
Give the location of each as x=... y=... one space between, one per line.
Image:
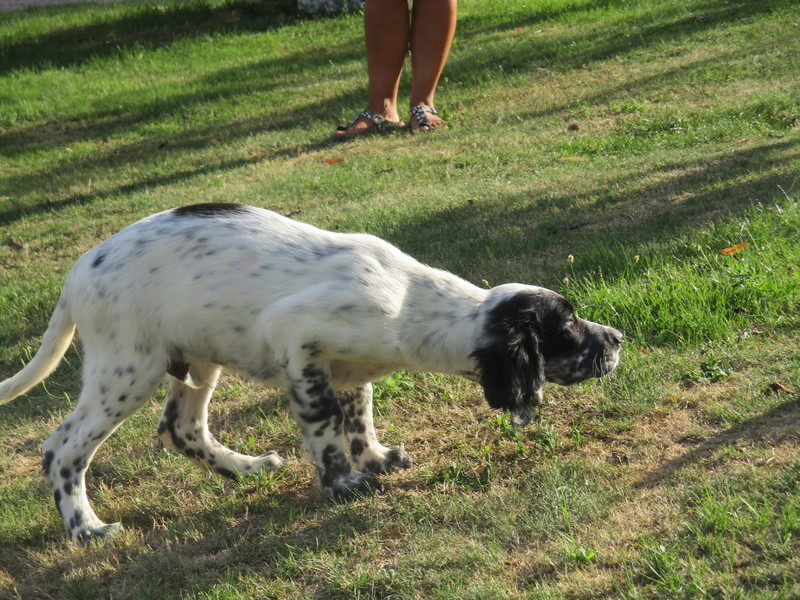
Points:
x=638 y=138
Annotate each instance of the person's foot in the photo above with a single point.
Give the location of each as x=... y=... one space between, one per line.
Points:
x=365 y=123
x=425 y=118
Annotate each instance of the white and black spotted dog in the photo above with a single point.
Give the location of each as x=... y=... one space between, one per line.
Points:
x=191 y=290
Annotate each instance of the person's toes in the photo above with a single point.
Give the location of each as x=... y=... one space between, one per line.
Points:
x=425 y=118
x=359 y=127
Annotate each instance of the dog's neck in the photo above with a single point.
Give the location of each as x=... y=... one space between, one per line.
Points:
x=446 y=325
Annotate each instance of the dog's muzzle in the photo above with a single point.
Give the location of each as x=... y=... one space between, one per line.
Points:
x=608 y=357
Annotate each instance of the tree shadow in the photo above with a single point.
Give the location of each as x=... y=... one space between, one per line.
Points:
x=14 y=211
x=205 y=549
x=148 y=27
x=531 y=234
x=142 y=152
x=98 y=124
x=589 y=45
x=775 y=426
x=228 y=84
x=220 y=86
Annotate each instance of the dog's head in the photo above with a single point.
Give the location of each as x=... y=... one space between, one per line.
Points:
x=532 y=335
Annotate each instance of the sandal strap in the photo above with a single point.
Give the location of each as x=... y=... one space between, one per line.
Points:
x=381 y=124
x=419 y=112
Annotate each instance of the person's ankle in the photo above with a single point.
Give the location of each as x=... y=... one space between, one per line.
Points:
x=385 y=109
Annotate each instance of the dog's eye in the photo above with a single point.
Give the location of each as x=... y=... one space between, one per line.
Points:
x=570 y=327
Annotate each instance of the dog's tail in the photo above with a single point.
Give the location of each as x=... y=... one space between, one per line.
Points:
x=55 y=342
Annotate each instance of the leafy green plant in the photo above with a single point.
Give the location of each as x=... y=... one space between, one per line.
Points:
x=504 y=427
x=710 y=370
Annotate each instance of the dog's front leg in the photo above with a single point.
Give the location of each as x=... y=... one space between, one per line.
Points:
x=317 y=411
x=366 y=452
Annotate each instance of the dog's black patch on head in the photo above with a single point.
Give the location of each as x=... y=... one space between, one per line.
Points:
x=572 y=347
x=510 y=364
x=99 y=260
x=210 y=209
x=558 y=327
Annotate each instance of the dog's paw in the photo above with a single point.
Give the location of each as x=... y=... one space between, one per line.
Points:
x=345 y=488
x=395 y=459
x=88 y=535
x=270 y=461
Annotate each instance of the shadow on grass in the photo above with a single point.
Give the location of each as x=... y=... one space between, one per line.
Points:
x=284 y=534
x=156 y=26
x=772 y=427
x=98 y=124
x=14 y=211
x=222 y=86
x=148 y=27
x=112 y=114
x=121 y=112
x=534 y=232
x=229 y=84
x=632 y=34
x=226 y=84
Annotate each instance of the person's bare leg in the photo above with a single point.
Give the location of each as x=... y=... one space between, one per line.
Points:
x=433 y=24
x=386 y=33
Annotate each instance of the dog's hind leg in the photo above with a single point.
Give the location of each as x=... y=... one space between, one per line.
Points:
x=184 y=428
x=114 y=387
x=366 y=452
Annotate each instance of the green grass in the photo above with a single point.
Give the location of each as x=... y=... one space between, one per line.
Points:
x=647 y=295
x=676 y=477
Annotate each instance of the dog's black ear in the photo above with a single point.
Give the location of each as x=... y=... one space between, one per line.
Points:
x=510 y=365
